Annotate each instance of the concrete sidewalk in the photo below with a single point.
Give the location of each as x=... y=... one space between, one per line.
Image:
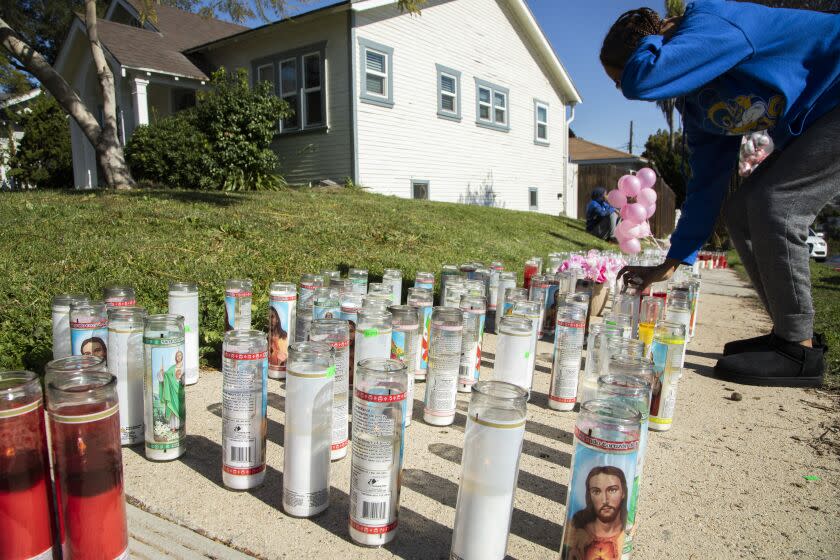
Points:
x=726 y=482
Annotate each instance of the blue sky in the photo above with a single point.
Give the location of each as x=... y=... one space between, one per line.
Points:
x=576 y=29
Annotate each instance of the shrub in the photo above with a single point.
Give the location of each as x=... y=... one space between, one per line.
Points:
x=43 y=158
x=224 y=142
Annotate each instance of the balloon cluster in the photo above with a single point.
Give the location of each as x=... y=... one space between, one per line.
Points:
x=636 y=200
x=755 y=148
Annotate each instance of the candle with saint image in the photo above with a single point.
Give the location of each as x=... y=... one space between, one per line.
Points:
x=85 y=436
x=405 y=338
x=61 y=323
x=422 y=300
x=335 y=333
x=26 y=500
x=308 y=430
x=163 y=387
x=379 y=407
x=326 y=304
x=506 y=280
x=238 y=296
x=125 y=361
x=282 y=320
x=474 y=309
x=89 y=328
x=445 y=338
x=183 y=301
x=244 y=408
x=667 y=353
x=489 y=468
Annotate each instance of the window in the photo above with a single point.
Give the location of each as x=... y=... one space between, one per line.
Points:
x=377 y=72
x=533 y=199
x=420 y=190
x=300 y=82
x=540 y=122
x=491 y=103
x=449 y=93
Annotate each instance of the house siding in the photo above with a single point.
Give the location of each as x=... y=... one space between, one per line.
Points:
x=462 y=161
x=309 y=155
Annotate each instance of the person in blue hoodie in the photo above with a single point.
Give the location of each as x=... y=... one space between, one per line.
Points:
x=600 y=216
x=737 y=68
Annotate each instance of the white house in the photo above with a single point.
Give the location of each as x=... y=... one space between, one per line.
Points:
x=465 y=103
x=12 y=103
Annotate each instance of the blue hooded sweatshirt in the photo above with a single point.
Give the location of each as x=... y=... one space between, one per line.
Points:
x=740 y=68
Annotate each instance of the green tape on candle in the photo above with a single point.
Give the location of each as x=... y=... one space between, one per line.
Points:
x=187 y=329
x=331 y=371
x=370 y=332
x=527 y=355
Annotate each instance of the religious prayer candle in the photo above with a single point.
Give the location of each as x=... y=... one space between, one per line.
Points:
x=496 y=268
x=335 y=333
x=61 y=323
x=530 y=310
x=425 y=280
x=650 y=312
x=506 y=280
x=568 y=345
x=667 y=353
x=325 y=304
x=308 y=284
x=447 y=331
x=532 y=267
x=694 y=282
x=238 y=295
x=163 y=387
x=125 y=362
x=489 y=469
x=422 y=300
x=512 y=295
x=474 y=310
x=405 y=339
x=619 y=347
x=89 y=329
x=627 y=304
x=588 y=384
x=603 y=468
x=551 y=303
x=376 y=302
x=343 y=285
x=26 y=499
x=183 y=301
x=678 y=310
x=455 y=288
x=282 y=320
x=303 y=321
x=379 y=408
x=378 y=289
x=373 y=335
x=308 y=429
x=119 y=296
x=85 y=434
x=619 y=323
x=513 y=353
x=447 y=273
x=73 y=364
x=467 y=270
x=359 y=278
x=351 y=304
x=244 y=408
x=537 y=292
x=328 y=275
x=392 y=277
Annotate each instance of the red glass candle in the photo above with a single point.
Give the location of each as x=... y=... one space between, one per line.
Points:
x=26 y=513
x=532 y=267
x=85 y=429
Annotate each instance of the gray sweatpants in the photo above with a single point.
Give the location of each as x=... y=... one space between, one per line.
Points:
x=768 y=219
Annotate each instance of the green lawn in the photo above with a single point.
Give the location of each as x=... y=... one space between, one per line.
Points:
x=825 y=289
x=58 y=242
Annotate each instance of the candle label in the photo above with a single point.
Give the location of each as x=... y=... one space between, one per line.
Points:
x=442 y=377
x=423 y=354
x=120 y=301
x=341 y=375
x=599 y=497
x=237 y=310
x=667 y=367
x=325 y=312
x=281 y=329
x=164 y=379
x=306 y=292
x=186 y=305
x=377 y=460
x=425 y=285
x=550 y=315
x=568 y=343
x=89 y=337
x=244 y=408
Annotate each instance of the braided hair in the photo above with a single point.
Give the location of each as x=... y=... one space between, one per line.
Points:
x=626 y=33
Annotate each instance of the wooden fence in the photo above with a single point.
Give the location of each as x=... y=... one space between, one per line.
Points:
x=607 y=175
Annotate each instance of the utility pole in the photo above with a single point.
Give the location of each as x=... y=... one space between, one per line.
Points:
x=630 y=143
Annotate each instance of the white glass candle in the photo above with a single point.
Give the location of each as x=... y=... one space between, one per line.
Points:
x=422 y=300
x=489 y=468
x=125 y=362
x=359 y=279
x=163 y=387
x=405 y=337
x=393 y=279
x=244 y=403
x=444 y=360
x=308 y=429
x=667 y=353
x=335 y=333
x=568 y=345
x=474 y=309
x=238 y=295
x=61 y=323
x=308 y=284
x=513 y=352
x=506 y=280
x=373 y=335
x=530 y=310
x=282 y=320
x=183 y=301
x=119 y=296
x=89 y=329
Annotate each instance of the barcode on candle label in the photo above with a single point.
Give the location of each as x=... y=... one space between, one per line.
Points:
x=240 y=454
x=374 y=510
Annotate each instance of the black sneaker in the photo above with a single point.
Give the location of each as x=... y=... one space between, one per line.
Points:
x=779 y=363
x=746 y=345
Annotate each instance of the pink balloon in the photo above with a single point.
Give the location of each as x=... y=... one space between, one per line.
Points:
x=647 y=177
x=622 y=231
x=637 y=231
x=646 y=197
x=630 y=246
x=634 y=213
x=650 y=210
x=616 y=198
x=644 y=228
x=629 y=185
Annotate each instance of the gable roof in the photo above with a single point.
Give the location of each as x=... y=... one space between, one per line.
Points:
x=583 y=151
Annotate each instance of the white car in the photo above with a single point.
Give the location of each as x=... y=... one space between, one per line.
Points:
x=817 y=246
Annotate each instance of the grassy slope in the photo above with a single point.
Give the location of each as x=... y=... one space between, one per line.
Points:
x=58 y=242
x=825 y=289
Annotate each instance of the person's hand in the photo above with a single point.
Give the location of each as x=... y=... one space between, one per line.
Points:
x=640 y=277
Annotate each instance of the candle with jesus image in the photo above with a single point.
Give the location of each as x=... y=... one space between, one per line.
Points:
x=163 y=388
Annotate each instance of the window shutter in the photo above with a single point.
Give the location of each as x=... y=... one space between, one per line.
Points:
x=375 y=61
